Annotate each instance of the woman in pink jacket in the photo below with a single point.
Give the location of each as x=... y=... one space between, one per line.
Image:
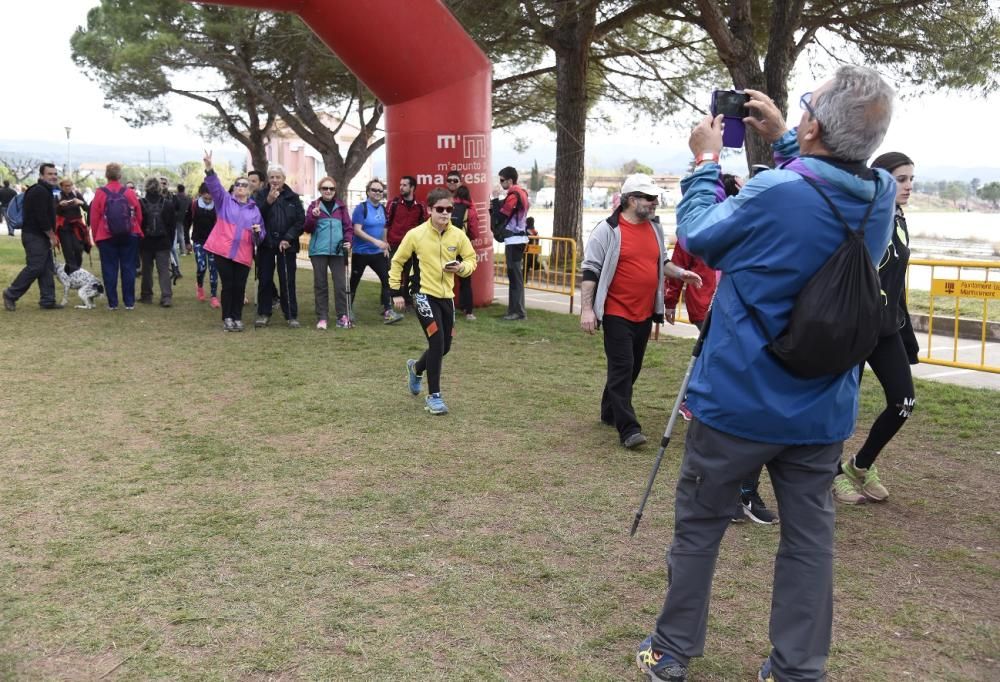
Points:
x=237 y=230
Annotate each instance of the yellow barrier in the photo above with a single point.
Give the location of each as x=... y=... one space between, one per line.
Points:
x=953 y=285
x=549 y=265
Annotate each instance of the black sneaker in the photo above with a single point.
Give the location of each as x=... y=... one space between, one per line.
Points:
x=737 y=515
x=755 y=509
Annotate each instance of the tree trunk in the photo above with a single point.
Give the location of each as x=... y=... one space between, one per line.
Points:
x=258 y=150
x=572 y=46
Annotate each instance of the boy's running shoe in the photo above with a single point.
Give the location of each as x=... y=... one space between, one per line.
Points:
x=435 y=405
x=413 y=379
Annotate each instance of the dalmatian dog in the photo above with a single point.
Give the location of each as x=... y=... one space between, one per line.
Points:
x=87 y=286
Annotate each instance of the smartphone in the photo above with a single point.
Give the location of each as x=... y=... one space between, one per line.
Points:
x=732 y=105
x=453 y=262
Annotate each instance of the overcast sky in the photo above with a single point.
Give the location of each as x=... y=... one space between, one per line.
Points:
x=943 y=130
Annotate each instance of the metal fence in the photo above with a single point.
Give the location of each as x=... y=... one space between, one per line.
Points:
x=959 y=299
x=963 y=302
x=549 y=265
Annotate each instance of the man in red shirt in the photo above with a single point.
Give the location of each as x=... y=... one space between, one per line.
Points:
x=623 y=270
x=402 y=214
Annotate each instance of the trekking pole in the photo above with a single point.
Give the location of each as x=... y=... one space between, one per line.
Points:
x=347 y=279
x=347 y=266
x=665 y=440
x=288 y=298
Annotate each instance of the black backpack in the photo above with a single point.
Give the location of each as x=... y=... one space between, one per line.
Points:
x=498 y=222
x=458 y=215
x=155 y=226
x=835 y=321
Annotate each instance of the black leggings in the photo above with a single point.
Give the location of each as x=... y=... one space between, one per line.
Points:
x=437 y=317
x=891 y=366
x=234 y=286
x=379 y=265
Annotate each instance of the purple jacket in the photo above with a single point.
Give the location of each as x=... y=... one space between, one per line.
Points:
x=232 y=237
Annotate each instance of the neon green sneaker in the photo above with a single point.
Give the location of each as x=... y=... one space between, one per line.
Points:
x=866 y=481
x=845 y=492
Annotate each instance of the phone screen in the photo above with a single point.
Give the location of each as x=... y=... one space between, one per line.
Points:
x=731 y=104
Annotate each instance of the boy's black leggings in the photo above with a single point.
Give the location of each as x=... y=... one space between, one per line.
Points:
x=437 y=317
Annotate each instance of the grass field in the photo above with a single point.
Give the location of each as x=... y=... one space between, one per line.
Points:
x=179 y=503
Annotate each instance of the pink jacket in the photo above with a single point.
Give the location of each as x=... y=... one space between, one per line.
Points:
x=232 y=237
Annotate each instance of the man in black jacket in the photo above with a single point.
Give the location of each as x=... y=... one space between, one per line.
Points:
x=6 y=196
x=284 y=221
x=38 y=235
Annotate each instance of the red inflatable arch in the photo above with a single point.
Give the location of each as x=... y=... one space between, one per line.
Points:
x=435 y=83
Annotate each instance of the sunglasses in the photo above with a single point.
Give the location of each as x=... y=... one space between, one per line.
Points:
x=327 y=188
x=452 y=181
x=376 y=191
x=242 y=183
x=647 y=197
x=443 y=209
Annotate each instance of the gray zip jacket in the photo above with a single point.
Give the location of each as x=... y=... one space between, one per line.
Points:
x=600 y=261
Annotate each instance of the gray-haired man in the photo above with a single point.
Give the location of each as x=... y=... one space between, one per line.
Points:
x=748 y=409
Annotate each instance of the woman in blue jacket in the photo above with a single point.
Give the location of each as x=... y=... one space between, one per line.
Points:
x=329 y=224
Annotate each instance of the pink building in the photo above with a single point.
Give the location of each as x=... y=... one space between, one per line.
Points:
x=304 y=165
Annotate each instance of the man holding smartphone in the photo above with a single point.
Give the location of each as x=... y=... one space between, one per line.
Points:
x=748 y=408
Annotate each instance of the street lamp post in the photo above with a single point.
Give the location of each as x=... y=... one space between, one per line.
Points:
x=69 y=168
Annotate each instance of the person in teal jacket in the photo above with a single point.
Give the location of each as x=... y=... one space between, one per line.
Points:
x=748 y=409
x=329 y=223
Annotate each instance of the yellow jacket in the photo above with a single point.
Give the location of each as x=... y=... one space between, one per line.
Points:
x=433 y=250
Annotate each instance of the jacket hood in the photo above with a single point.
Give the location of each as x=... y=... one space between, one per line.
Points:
x=832 y=174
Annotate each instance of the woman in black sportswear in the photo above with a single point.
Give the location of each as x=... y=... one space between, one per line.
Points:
x=897 y=349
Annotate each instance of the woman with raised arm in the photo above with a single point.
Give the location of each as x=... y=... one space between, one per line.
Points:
x=238 y=229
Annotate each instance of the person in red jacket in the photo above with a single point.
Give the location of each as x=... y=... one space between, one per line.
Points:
x=402 y=214
x=696 y=300
x=117 y=251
